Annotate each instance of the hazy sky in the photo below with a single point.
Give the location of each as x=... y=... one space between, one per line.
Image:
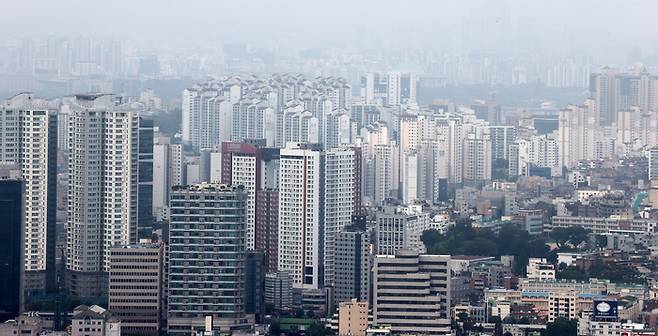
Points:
x=597 y=26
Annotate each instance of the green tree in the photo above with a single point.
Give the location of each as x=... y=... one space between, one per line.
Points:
x=510 y=240
x=317 y=329
x=561 y=327
x=275 y=329
x=573 y=235
x=571 y=272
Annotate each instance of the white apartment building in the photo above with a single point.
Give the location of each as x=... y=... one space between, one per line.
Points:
x=253 y=119
x=579 y=134
x=339 y=191
x=167 y=172
x=102 y=210
x=449 y=137
x=300 y=192
x=653 y=163
x=207 y=115
x=300 y=125
x=241 y=166
x=28 y=138
x=336 y=129
x=540 y=151
x=281 y=108
x=410 y=177
x=384 y=172
x=477 y=158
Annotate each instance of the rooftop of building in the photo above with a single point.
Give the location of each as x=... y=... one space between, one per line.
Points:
x=208 y=187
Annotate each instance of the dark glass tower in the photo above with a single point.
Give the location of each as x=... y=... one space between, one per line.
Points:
x=145 y=185
x=11 y=248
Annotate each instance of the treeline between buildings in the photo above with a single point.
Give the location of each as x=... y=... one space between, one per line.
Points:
x=464 y=239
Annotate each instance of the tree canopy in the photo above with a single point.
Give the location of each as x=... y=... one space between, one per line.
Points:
x=573 y=235
x=561 y=327
x=601 y=270
x=464 y=239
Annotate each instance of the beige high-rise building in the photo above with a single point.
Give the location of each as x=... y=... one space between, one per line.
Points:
x=352 y=318
x=135 y=291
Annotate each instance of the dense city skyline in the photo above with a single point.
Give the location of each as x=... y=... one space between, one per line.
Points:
x=475 y=168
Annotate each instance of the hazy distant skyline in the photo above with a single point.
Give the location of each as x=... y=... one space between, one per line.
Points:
x=566 y=27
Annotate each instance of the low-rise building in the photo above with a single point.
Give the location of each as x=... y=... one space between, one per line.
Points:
x=600 y=225
x=411 y=293
x=278 y=290
x=94 y=321
x=135 y=292
x=540 y=269
x=23 y=326
x=352 y=318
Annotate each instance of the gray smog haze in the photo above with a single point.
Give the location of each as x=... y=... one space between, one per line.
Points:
x=610 y=28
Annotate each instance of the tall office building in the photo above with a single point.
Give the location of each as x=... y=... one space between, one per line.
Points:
x=604 y=88
x=103 y=183
x=353 y=262
x=28 y=138
x=135 y=290
x=278 y=290
x=207 y=259
x=339 y=189
x=411 y=293
x=300 y=214
x=12 y=207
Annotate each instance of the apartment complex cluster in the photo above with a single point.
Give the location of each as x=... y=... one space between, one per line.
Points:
x=284 y=196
